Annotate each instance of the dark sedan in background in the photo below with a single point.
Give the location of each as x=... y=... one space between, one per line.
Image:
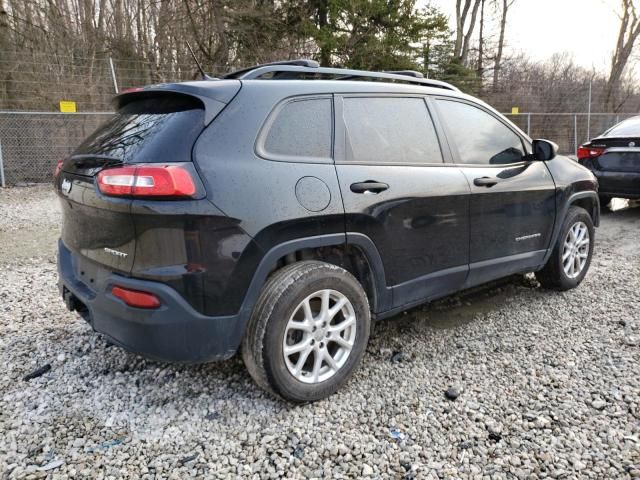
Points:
x=614 y=158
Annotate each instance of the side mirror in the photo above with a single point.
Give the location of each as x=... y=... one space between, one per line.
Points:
x=544 y=149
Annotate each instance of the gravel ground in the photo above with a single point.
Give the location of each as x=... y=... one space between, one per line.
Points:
x=548 y=384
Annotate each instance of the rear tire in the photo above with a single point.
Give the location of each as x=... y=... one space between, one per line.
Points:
x=308 y=331
x=571 y=256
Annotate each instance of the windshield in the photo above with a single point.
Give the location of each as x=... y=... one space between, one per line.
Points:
x=161 y=128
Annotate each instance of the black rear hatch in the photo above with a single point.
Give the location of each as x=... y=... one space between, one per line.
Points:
x=618 y=148
x=618 y=154
x=149 y=127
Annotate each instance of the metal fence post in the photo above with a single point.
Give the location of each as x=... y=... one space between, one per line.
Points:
x=113 y=75
x=529 y=124
x=2 y=183
x=589 y=114
x=575 y=133
x=1 y=168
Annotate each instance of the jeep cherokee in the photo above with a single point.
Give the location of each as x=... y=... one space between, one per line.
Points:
x=281 y=209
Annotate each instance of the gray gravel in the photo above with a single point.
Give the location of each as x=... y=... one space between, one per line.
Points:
x=547 y=384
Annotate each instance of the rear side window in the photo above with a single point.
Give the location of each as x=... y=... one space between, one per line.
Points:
x=300 y=130
x=161 y=128
x=480 y=138
x=389 y=130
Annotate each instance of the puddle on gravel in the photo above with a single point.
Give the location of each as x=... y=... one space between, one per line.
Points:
x=462 y=308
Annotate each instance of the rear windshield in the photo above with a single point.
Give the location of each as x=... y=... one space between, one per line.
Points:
x=626 y=128
x=156 y=129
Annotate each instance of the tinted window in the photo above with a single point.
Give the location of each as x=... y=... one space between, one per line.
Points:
x=479 y=137
x=302 y=128
x=626 y=128
x=161 y=128
x=389 y=130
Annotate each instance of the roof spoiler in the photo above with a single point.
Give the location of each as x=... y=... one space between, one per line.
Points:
x=214 y=97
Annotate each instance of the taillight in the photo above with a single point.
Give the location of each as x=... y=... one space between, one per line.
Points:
x=136 y=298
x=58 y=168
x=589 y=152
x=146 y=181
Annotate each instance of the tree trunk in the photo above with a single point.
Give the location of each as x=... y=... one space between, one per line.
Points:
x=457 y=47
x=464 y=28
x=480 y=69
x=322 y=20
x=627 y=36
x=503 y=24
x=467 y=37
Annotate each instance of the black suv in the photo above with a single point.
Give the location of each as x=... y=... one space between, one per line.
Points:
x=281 y=209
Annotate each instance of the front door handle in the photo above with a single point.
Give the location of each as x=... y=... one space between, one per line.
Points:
x=369 y=187
x=485 y=182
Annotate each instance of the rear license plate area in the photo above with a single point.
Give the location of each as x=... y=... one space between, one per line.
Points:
x=91 y=274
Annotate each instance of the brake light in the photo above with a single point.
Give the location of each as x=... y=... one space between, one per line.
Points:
x=589 y=152
x=59 y=166
x=146 y=181
x=136 y=298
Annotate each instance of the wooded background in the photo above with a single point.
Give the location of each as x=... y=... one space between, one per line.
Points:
x=52 y=50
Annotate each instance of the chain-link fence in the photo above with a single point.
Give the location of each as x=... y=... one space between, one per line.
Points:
x=568 y=130
x=32 y=142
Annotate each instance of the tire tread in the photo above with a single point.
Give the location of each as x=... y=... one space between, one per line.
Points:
x=551 y=275
x=275 y=287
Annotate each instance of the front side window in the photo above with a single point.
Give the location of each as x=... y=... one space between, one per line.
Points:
x=480 y=138
x=389 y=130
x=300 y=130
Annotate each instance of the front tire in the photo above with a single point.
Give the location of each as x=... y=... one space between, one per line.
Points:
x=571 y=256
x=308 y=331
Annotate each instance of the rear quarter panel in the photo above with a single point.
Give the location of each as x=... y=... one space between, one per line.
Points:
x=259 y=194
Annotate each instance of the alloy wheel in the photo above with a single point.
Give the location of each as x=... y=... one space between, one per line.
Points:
x=319 y=336
x=576 y=249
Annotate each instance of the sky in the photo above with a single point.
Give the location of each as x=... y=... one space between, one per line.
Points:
x=587 y=29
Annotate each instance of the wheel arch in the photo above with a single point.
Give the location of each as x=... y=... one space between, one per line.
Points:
x=358 y=252
x=589 y=201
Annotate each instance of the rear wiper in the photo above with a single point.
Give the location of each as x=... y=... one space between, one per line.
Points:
x=83 y=160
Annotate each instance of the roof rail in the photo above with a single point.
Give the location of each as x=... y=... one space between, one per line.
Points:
x=300 y=62
x=304 y=69
x=409 y=73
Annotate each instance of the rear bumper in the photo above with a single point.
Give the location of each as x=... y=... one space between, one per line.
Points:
x=173 y=332
x=622 y=184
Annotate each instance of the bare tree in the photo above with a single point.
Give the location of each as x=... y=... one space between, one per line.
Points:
x=627 y=36
x=466 y=13
x=506 y=4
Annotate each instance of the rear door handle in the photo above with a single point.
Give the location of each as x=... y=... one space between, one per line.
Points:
x=369 y=187
x=485 y=182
